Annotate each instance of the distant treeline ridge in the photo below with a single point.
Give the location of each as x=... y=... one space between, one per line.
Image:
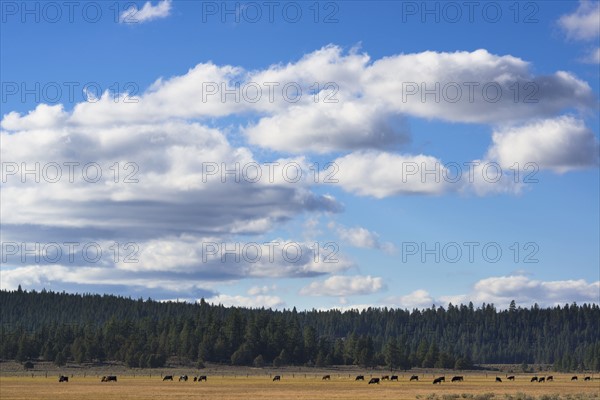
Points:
x=63 y=327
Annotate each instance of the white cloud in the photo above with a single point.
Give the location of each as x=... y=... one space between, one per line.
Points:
x=472 y=87
x=100 y=279
x=593 y=56
x=344 y=286
x=249 y=302
x=171 y=207
x=367 y=100
x=171 y=191
x=524 y=290
x=42 y=117
x=584 y=23
x=363 y=238
x=256 y=290
x=195 y=261
x=468 y=86
x=212 y=258
x=345 y=125
x=417 y=299
x=501 y=290
x=560 y=144
x=382 y=174
x=148 y=12
x=359 y=237
x=488 y=177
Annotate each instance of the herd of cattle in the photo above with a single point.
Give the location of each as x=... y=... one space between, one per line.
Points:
x=184 y=378
x=439 y=380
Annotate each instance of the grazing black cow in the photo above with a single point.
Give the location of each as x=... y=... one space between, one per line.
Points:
x=457 y=379
x=109 y=378
x=183 y=378
x=63 y=378
x=541 y=379
x=511 y=378
x=385 y=378
x=498 y=379
x=276 y=378
x=394 y=378
x=550 y=378
x=439 y=380
x=326 y=378
x=374 y=380
x=587 y=378
x=534 y=379
x=202 y=378
x=574 y=378
x=360 y=378
x=168 y=378
x=414 y=378
x=195 y=379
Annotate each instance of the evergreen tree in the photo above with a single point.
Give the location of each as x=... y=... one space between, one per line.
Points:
x=60 y=359
x=259 y=361
x=392 y=355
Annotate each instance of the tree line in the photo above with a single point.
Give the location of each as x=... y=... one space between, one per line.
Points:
x=62 y=327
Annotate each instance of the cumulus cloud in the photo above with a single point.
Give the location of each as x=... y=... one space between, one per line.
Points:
x=168 y=188
x=501 y=290
x=147 y=13
x=153 y=149
x=154 y=268
x=384 y=174
x=357 y=103
x=101 y=279
x=584 y=23
x=149 y=186
x=347 y=126
x=472 y=87
x=417 y=299
x=247 y=301
x=256 y=290
x=559 y=144
x=338 y=285
x=42 y=117
x=364 y=238
x=593 y=56
x=214 y=258
x=524 y=290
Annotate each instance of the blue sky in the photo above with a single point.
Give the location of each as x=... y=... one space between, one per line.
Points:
x=384 y=220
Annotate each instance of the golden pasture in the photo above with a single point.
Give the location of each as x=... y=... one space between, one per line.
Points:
x=298 y=387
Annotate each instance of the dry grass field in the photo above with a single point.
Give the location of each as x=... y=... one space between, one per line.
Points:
x=475 y=387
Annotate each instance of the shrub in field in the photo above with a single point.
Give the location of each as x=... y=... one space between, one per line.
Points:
x=485 y=396
x=450 y=397
x=549 y=397
x=519 y=396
